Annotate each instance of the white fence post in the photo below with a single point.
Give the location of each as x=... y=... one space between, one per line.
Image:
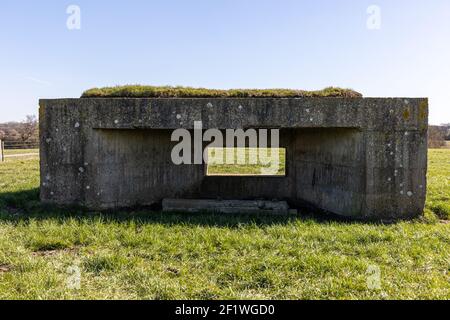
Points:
x=2 y=151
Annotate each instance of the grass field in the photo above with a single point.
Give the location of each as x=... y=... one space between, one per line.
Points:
x=20 y=151
x=246 y=161
x=48 y=253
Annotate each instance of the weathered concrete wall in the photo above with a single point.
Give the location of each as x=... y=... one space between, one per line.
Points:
x=364 y=158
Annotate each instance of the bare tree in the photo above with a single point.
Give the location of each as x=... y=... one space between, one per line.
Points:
x=29 y=129
x=447 y=129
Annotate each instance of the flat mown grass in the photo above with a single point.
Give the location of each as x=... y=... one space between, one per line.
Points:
x=139 y=91
x=20 y=151
x=246 y=161
x=148 y=255
x=438 y=197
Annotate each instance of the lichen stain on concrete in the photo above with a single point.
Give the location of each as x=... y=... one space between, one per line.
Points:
x=423 y=110
x=406 y=114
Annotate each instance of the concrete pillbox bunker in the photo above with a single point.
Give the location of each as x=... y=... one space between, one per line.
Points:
x=364 y=158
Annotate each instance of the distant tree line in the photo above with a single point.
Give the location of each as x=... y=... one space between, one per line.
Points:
x=447 y=134
x=20 y=134
x=438 y=136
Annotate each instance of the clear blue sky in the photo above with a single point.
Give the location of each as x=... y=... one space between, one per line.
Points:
x=224 y=44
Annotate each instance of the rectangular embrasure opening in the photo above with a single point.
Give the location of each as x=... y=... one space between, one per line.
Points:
x=247 y=162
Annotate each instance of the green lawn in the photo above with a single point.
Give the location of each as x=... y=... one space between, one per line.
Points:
x=438 y=197
x=246 y=161
x=20 y=151
x=144 y=255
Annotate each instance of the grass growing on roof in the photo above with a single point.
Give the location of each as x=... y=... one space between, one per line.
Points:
x=139 y=91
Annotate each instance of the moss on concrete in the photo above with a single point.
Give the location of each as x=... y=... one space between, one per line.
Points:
x=138 y=91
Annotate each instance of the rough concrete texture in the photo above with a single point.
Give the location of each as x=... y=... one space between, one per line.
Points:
x=226 y=206
x=364 y=158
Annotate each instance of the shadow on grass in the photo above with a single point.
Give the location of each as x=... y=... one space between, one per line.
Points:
x=25 y=205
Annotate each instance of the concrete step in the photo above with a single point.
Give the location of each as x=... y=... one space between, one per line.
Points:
x=227 y=206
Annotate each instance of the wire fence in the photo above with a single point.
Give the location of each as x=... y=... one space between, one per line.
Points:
x=17 y=149
x=21 y=144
